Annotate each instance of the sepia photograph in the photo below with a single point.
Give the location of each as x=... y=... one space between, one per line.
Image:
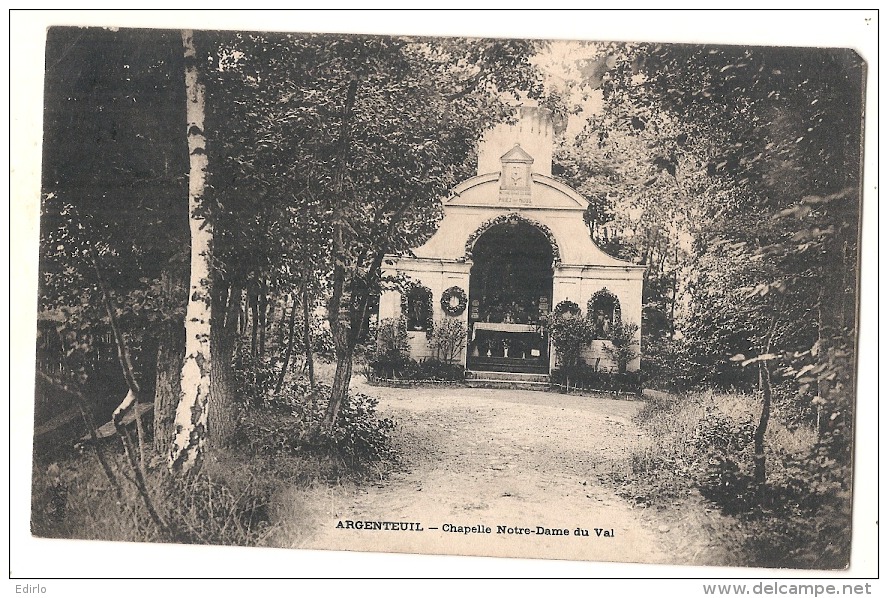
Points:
x=504 y=296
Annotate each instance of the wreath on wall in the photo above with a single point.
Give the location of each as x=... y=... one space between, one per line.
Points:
x=451 y=307
x=566 y=306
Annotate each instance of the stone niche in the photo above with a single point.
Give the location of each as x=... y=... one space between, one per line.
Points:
x=515 y=177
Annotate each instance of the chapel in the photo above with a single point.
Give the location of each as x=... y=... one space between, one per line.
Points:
x=511 y=248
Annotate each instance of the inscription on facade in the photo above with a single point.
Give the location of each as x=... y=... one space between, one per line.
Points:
x=515 y=196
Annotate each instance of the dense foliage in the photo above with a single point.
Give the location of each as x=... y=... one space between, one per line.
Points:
x=390 y=361
x=587 y=377
x=448 y=338
x=406 y=370
x=571 y=335
x=623 y=347
x=291 y=423
x=363 y=140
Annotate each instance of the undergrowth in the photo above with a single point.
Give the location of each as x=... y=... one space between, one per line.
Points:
x=227 y=502
x=243 y=495
x=703 y=444
x=291 y=425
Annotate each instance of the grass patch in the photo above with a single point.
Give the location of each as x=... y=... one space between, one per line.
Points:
x=226 y=503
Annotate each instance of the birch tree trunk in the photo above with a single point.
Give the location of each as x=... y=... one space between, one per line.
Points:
x=191 y=413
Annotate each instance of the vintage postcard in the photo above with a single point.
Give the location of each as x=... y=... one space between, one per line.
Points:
x=487 y=296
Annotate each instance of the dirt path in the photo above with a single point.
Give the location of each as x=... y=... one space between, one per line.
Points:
x=488 y=458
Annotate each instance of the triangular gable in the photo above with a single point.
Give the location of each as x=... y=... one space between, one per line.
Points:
x=517 y=154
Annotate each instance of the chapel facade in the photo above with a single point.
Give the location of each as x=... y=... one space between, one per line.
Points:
x=511 y=248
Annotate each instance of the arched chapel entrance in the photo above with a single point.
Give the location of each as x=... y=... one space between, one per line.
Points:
x=510 y=293
x=512 y=244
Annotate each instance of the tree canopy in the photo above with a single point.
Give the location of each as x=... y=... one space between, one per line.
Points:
x=349 y=155
x=731 y=172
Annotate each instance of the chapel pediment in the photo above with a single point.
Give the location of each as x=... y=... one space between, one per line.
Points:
x=517 y=154
x=501 y=190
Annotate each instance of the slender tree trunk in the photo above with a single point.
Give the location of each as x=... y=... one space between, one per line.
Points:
x=242 y=318
x=341 y=382
x=291 y=328
x=191 y=414
x=281 y=334
x=340 y=308
x=306 y=335
x=340 y=327
x=758 y=437
x=674 y=296
x=254 y=311
x=269 y=320
x=138 y=469
x=126 y=364
x=170 y=350
x=351 y=313
x=268 y=327
x=263 y=312
x=364 y=302
x=123 y=355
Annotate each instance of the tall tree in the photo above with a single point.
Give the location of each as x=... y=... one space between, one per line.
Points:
x=195 y=403
x=363 y=139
